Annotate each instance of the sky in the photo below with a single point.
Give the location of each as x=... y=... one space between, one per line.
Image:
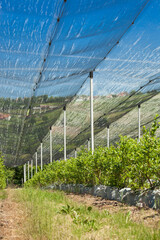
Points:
x=49 y=47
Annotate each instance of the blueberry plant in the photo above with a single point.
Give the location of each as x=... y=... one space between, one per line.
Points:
x=128 y=164
x=2 y=173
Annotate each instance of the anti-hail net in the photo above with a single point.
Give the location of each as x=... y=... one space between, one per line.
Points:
x=47 y=50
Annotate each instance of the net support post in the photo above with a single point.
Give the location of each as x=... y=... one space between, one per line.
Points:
x=24 y=172
x=36 y=162
x=139 y=122
x=31 y=168
x=51 y=144
x=64 y=110
x=88 y=144
x=28 y=171
x=41 y=156
x=75 y=153
x=108 y=136
x=24 y=169
x=91 y=112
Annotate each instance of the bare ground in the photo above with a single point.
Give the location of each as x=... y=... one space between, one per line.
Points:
x=147 y=216
x=12 y=215
x=11 y=218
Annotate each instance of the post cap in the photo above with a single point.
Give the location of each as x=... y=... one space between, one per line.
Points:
x=64 y=108
x=91 y=74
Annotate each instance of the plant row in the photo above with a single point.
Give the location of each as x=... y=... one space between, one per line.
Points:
x=127 y=164
x=6 y=174
x=2 y=173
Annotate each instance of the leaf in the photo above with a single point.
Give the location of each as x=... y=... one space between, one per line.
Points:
x=128 y=215
x=89 y=208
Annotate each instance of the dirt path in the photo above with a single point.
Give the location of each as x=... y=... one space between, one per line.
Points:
x=12 y=215
x=11 y=218
x=146 y=216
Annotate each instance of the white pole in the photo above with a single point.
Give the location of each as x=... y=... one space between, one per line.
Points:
x=75 y=153
x=36 y=162
x=64 y=132
x=108 y=136
x=88 y=145
x=139 y=122
x=50 y=144
x=41 y=156
x=28 y=170
x=91 y=111
x=31 y=168
x=24 y=173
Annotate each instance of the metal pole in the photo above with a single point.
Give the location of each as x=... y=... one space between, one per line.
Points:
x=36 y=162
x=64 y=109
x=91 y=111
x=75 y=153
x=88 y=145
x=50 y=144
x=24 y=168
x=139 y=122
x=31 y=168
x=41 y=156
x=28 y=170
x=108 y=136
x=25 y=172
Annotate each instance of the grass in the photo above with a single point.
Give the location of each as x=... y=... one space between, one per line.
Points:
x=53 y=216
x=3 y=194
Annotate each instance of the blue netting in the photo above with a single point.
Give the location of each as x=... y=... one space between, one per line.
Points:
x=47 y=50
x=76 y=43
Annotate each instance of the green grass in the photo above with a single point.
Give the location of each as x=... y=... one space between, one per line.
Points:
x=3 y=194
x=51 y=215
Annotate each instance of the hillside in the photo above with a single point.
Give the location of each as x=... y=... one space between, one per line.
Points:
x=23 y=130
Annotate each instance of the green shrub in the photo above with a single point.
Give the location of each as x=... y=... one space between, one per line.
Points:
x=2 y=173
x=10 y=173
x=129 y=164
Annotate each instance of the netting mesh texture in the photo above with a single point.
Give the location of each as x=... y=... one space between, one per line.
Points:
x=47 y=50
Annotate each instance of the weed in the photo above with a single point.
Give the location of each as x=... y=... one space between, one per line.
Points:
x=128 y=216
x=52 y=216
x=3 y=194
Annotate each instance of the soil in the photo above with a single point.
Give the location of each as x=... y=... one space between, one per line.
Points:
x=12 y=215
x=147 y=216
x=11 y=218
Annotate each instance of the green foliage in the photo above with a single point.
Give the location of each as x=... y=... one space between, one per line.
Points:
x=77 y=215
x=129 y=164
x=2 y=174
x=18 y=175
x=10 y=173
